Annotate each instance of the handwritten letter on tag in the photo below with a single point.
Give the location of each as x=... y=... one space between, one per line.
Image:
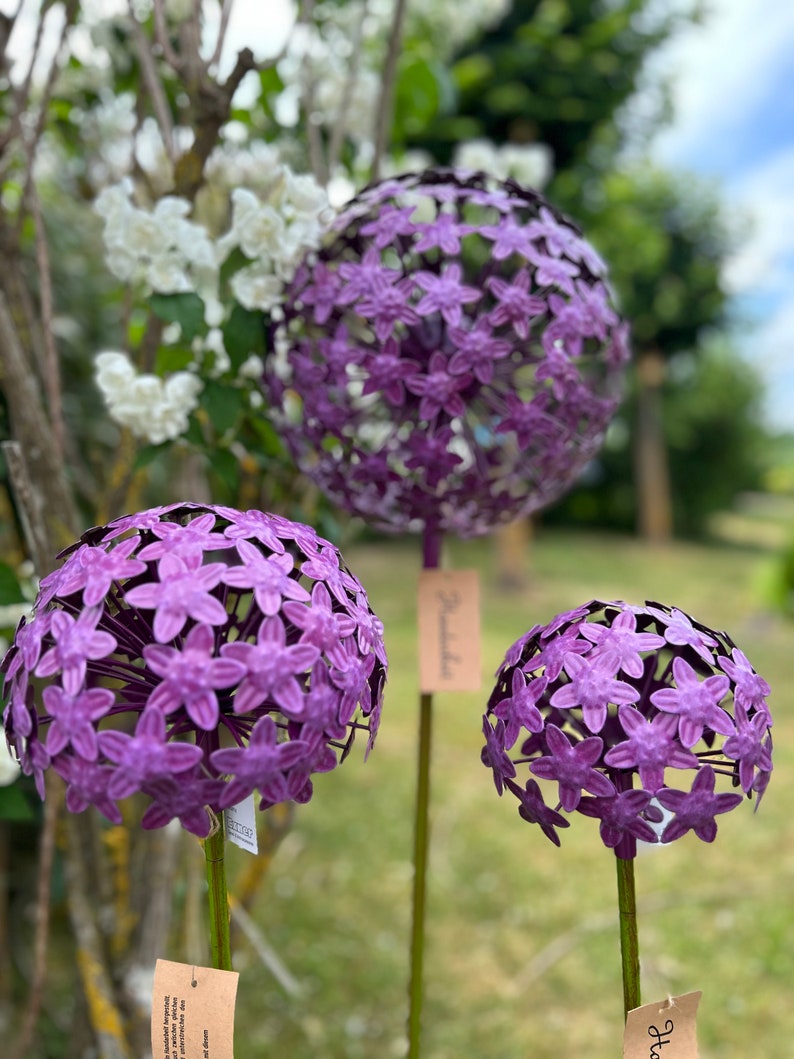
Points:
x=665 y=1030
x=449 y=630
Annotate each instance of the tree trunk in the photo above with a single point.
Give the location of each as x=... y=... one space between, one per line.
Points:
x=651 y=471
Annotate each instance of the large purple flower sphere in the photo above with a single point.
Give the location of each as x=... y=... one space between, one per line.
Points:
x=195 y=654
x=450 y=358
x=628 y=711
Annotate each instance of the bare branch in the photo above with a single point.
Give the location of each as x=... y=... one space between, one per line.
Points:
x=154 y=85
x=161 y=35
x=30 y=142
x=104 y=1015
x=317 y=161
x=52 y=810
x=226 y=10
x=265 y=951
x=49 y=501
x=384 y=113
x=52 y=369
x=338 y=131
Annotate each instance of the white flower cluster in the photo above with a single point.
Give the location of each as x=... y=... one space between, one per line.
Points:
x=274 y=233
x=165 y=250
x=153 y=408
x=529 y=164
x=273 y=226
x=160 y=247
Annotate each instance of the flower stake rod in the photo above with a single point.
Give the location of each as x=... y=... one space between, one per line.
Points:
x=449 y=660
x=610 y=694
x=218 y=897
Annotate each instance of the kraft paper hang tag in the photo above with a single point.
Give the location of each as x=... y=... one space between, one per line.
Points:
x=449 y=630
x=665 y=1030
x=192 y=1012
x=240 y=823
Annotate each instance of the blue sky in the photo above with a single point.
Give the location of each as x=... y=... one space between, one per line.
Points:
x=733 y=80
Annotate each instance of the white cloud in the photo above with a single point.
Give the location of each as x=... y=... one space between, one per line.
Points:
x=765 y=259
x=724 y=76
x=720 y=70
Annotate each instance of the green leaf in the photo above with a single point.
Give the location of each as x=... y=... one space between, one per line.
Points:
x=223 y=405
x=269 y=441
x=244 y=334
x=194 y=434
x=10 y=590
x=271 y=86
x=14 y=805
x=172 y=358
x=187 y=310
x=417 y=97
x=223 y=463
x=148 y=454
x=233 y=263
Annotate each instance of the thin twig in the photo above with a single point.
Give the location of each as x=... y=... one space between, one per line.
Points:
x=52 y=810
x=194 y=75
x=226 y=10
x=161 y=35
x=52 y=370
x=314 y=143
x=265 y=951
x=384 y=112
x=48 y=502
x=30 y=142
x=154 y=85
x=104 y=1015
x=338 y=130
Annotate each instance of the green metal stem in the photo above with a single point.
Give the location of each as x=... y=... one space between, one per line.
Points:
x=629 y=939
x=421 y=846
x=214 y=853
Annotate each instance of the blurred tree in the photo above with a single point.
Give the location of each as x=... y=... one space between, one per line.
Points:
x=710 y=408
x=566 y=73
x=555 y=72
x=665 y=241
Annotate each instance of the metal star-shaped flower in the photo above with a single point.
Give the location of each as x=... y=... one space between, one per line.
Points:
x=624 y=703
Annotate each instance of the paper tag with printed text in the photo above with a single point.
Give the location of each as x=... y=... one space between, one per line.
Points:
x=665 y=1030
x=449 y=630
x=192 y=1012
x=240 y=824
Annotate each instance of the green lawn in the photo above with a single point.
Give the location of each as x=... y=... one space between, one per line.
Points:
x=522 y=958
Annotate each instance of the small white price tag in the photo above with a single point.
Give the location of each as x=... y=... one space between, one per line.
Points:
x=240 y=822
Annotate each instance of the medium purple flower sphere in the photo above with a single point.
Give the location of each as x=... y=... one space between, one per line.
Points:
x=628 y=711
x=450 y=358
x=194 y=654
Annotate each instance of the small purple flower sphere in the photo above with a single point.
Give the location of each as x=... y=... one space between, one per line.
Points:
x=450 y=358
x=609 y=692
x=194 y=654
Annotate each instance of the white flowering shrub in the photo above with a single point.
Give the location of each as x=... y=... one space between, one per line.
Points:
x=163 y=252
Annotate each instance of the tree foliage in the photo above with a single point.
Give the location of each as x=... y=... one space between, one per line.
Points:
x=716 y=445
x=555 y=72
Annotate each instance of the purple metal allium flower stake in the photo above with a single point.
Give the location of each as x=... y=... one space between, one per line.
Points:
x=194 y=654
x=450 y=358
x=615 y=704
x=447 y=361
